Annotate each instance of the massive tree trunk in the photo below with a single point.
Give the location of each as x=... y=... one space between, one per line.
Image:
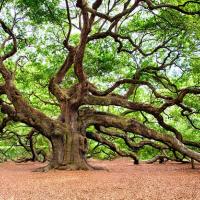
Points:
x=68 y=152
x=69 y=148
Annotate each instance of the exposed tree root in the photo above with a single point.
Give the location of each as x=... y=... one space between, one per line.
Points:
x=44 y=169
x=69 y=167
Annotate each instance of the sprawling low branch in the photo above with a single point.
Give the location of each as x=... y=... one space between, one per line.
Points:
x=132 y=125
x=97 y=137
x=34 y=118
x=129 y=142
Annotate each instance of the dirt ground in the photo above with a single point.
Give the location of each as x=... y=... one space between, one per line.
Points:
x=123 y=181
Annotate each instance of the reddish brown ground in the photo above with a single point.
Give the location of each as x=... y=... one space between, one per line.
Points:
x=123 y=181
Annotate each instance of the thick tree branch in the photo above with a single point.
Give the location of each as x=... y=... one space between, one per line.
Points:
x=132 y=125
x=98 y=138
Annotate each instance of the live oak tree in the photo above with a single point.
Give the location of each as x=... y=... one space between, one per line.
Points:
x=137 y=58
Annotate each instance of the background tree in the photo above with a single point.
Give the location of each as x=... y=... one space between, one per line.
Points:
x=122 y=73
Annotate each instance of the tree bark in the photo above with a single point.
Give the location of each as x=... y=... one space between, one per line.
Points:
x=69 y=149
x=68 y=152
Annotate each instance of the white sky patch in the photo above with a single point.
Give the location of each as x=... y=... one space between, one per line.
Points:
x=175 y=72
